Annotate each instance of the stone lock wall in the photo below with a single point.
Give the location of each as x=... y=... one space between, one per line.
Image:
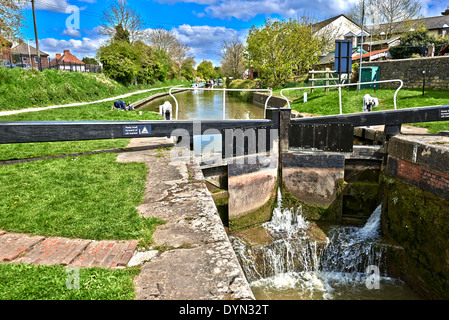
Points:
x=410 y=71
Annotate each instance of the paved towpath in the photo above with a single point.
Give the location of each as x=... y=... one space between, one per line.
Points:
x=10 y=112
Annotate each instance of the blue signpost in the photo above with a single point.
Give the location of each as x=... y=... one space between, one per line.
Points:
x=343 y=58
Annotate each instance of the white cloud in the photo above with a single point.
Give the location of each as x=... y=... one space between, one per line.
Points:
x=52 y=5
x=72 y=33
x=248 y=9
x=205 y=41
x=85 y=47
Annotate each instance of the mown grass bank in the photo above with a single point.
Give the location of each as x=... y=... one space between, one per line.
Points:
x=32 y=282
x=327 y=103
x=92 y=112
x=21 y=89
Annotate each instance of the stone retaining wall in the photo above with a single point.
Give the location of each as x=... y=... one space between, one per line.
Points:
x=410 y=71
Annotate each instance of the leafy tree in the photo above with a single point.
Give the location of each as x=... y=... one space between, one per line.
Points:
x=88 y=60
x=121 y=61
x=279 y=48
x=188 y=68
x=206 y=70
x=413 y=41
x=121 y=34
x=11 y=19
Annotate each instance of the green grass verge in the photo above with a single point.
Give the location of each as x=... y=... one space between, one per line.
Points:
x=20 y=89
x=32 y=282
x=87 y=197
x=93 y=112
x=327 y=103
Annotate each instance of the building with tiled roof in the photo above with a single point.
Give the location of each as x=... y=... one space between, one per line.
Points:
x=24 y=53
x=437 y=26
x=67 y=61
x=66 y=58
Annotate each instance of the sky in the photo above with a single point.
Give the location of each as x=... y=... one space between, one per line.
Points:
x=200 y=24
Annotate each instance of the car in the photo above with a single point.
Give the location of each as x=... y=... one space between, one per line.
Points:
x=25 y=66
x=6 y=64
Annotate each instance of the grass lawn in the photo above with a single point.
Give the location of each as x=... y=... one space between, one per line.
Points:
x=20 y=89
x=89 y=197
x=32 y=282
x=95 y=111
x=327 y=103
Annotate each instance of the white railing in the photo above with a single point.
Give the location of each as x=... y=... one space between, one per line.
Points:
x=339 y=86
x=224 y=96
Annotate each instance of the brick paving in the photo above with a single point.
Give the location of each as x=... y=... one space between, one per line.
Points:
x=21 y=248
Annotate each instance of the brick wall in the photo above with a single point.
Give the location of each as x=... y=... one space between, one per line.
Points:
x=411 y=72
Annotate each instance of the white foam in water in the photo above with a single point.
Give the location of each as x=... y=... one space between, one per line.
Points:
x=286 y=220
x=372 y=227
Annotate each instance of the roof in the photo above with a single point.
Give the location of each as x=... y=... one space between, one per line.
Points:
x=330 y=57
x=430 y=23
x=67 y=57
x=372 y=53
x=22 y=48
x=445 y=50
x=320 y=25
x=385 y=41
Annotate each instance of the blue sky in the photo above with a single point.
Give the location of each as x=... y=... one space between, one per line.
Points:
x=200 y=24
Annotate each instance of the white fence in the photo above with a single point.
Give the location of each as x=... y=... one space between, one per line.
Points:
x=339 y=86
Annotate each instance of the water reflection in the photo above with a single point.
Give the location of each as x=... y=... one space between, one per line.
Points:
x=208 y=105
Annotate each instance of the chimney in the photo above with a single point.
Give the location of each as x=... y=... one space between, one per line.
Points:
x=445 y=13
x=58 y=56
x=66 y=51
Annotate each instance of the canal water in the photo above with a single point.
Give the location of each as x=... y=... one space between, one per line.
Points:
x=207 y=105
x=350 y=266
x=344 y=269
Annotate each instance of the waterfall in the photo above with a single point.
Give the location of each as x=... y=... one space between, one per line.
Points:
x=353 y=249
x=295 y=264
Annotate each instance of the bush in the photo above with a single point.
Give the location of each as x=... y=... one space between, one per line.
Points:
x=246 y=96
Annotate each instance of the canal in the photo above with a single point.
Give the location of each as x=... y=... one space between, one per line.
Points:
x=207 y=105
x=323 y=275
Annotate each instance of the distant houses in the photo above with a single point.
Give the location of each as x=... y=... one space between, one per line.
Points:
x=67 y=61
x=22 y=53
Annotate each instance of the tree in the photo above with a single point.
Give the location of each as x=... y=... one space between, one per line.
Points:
x=121 y=61
x=393 y=11
x=280 y=48
x=121 y=34
x=167 y=42
x=119 y=13
x=11 y=20
x=413 y=42
x=392 y=14
x=88 y=60
x=188 y=68
x=206 y=70
x=232 y=57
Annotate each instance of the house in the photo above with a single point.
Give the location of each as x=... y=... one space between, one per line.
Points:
x=437 y=26
x=338 y=27
x=67 y=61
x=24 y=53
x=381 y=54
x=381 y=44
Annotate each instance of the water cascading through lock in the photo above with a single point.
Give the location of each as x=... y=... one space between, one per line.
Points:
x=295 y=267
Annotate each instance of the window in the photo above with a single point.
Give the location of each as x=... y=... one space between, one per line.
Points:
x=36 y=60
